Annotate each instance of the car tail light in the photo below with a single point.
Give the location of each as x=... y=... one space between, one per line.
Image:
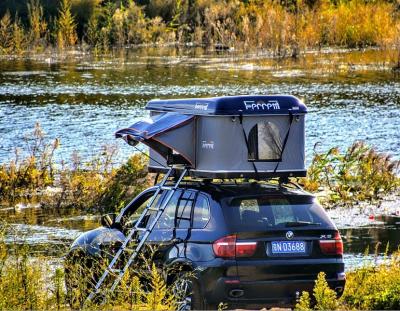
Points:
x=245 y=249
x=227 y=247
x=332 y=247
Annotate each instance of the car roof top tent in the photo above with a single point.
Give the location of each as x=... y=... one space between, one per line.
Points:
x=248 y=136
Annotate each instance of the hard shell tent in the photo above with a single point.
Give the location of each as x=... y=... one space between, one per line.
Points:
x=225 y=137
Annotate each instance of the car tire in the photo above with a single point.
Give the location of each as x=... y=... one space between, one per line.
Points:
x=186 y=290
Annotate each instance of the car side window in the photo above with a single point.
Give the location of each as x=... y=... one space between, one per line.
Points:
x=132 y=213
x=166 y=220
x=180 y=206
x=183 y=215
x=201 y=213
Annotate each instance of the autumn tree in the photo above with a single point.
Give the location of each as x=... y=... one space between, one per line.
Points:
x=37 y=24
x=66 y=26
x=5 y=33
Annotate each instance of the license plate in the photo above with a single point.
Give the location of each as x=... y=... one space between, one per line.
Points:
x=288 y=247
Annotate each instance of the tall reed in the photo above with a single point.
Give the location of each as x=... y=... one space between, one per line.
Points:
x=286 y=28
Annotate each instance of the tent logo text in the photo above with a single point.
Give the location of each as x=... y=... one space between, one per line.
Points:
x=261 y=105
x=201 y=106
x=207 y=144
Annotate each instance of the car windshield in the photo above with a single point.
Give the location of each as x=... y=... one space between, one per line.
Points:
x=274 y=212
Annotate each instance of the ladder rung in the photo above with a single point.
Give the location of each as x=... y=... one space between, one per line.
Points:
x=153 y=209
x=166 y=188
x=115 y=271
x=141 y=229
x=183 y=218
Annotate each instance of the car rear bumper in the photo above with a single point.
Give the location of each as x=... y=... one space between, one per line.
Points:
x=263 y=293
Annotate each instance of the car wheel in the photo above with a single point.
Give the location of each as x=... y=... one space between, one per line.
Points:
x=187 y=293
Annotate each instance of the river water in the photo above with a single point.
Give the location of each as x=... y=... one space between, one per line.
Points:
x=83 y=99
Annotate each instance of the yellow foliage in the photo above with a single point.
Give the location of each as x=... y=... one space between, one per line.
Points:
x=66 y=27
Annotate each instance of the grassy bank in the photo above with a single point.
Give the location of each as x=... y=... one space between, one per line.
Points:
x=367 y=288
x=32 y=283
x=285 y=28
x=92 y=185
x=346 y=178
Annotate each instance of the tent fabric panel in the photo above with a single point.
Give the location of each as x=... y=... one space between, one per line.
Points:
x=221 y=145
x=146 y=129
x=180 y=140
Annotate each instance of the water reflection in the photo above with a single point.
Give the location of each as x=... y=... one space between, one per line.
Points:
x=50 y=232
x=84 y=99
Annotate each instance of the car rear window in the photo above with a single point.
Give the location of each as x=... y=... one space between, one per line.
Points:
x=273 y=212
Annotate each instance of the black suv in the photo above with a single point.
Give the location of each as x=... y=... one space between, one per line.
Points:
x=249 y=245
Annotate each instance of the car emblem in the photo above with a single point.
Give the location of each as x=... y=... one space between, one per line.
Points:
x=289 y=235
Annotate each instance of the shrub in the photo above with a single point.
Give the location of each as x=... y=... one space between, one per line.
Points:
x=325 y=297
x=6 y=33
x=360 y=174
x=285 y=28
x=304 y=303
x=374 y=287
x=30 y=283
x=93 y=184
x=25 y=178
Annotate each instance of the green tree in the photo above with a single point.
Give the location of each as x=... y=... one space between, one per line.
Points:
x=66 y=26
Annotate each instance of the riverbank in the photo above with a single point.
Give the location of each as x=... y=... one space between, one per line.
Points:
x=38 y=283
x=318 y=61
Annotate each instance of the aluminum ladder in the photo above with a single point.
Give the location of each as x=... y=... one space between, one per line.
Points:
x=118 y=274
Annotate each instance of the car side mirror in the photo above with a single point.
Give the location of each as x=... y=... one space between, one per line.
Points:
x=108 y=220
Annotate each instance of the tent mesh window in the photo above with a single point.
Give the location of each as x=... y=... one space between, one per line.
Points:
x=265 y=142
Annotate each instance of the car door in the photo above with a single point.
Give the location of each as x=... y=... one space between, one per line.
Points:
x=172 y=225
x=183 y=219
x=128 y=215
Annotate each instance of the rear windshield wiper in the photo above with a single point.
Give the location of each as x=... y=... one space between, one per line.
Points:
x=301 y=223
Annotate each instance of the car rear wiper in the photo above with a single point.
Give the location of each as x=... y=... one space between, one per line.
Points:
x=301 y=223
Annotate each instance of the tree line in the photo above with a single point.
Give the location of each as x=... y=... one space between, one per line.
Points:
x=283 y=26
